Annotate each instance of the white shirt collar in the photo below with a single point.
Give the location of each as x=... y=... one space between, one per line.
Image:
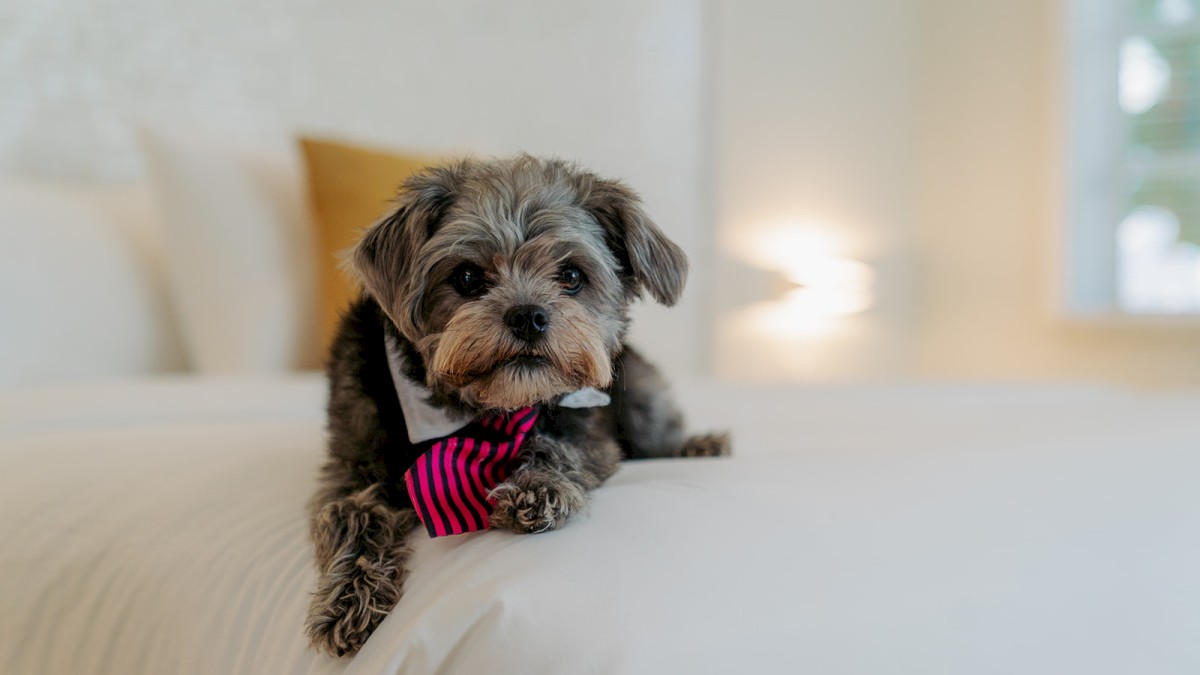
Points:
x=426 y=422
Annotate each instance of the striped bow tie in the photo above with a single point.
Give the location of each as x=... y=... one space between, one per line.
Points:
x=449 y=484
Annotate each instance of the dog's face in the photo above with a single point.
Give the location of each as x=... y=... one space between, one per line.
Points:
x=512 y=277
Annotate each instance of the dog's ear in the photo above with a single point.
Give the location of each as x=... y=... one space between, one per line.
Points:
x=383 y=259
x=644 y=252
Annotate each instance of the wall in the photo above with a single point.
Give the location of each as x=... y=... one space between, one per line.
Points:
x=927 y=136
x=613 y=83
x=990 y=205
x=813 y=130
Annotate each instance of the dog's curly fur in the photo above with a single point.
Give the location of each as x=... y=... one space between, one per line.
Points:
x=517 y=224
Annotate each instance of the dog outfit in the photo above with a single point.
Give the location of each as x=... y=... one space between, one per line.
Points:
x=451 y=481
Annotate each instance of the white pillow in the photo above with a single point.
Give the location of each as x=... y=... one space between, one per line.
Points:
x=239 y=252
x=80 y=290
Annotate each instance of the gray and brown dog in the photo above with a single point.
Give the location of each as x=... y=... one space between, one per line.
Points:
x=494 y=285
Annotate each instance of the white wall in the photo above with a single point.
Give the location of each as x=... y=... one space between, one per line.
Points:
x=924 y=134
x=928 y=136
x=815 y=113
x=614 y=83
x=991 y=206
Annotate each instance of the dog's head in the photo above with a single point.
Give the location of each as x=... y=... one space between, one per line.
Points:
x=512 y=277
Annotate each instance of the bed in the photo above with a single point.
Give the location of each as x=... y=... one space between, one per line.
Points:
x=156 y=525
x=158 y=444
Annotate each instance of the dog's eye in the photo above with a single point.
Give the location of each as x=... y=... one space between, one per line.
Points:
x=571 y=280
x=468 y=281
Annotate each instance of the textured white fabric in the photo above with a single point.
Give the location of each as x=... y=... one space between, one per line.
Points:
x=80 y=291
x=588 y=397
x=158 y=527
x=423 y=421
x=240 y=257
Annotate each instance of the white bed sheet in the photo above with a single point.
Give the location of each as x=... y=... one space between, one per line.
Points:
x=157 y=526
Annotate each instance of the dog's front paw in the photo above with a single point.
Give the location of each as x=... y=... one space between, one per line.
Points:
x=352 y=597
x=535 y=502
x=707 y=445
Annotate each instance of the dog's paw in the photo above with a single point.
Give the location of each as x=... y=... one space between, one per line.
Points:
x=352 y=597
x=535 y=502
x=707 y=445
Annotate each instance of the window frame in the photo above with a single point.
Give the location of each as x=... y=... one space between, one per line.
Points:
x=1096 y=176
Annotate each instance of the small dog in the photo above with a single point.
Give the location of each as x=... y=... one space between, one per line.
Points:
x=495 y=302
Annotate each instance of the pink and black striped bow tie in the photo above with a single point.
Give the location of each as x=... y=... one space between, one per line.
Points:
x=449 y=484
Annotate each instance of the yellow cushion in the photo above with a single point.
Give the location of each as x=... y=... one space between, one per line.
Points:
x=350 y=187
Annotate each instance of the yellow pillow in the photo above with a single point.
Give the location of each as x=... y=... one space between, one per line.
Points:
x=350 y=187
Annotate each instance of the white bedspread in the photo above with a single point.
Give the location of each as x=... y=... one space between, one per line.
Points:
x=157 y=527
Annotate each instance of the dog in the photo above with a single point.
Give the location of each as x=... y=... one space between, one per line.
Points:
x=495 y=299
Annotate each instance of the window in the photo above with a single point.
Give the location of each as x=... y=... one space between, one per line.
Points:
x=1133 y=244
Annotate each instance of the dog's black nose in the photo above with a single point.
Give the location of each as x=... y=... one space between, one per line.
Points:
x=527 y=322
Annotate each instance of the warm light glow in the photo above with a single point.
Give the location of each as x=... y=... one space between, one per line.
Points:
x=787 y=248
x=830 y=287
x=812 y=256
x=781 y=318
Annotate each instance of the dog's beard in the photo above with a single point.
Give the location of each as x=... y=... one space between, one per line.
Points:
x=477 y=356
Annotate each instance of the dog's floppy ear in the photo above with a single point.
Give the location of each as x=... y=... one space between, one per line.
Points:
x=383 y=259
x=656 y=262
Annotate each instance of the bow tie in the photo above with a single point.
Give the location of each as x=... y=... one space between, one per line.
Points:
x=449 y=484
